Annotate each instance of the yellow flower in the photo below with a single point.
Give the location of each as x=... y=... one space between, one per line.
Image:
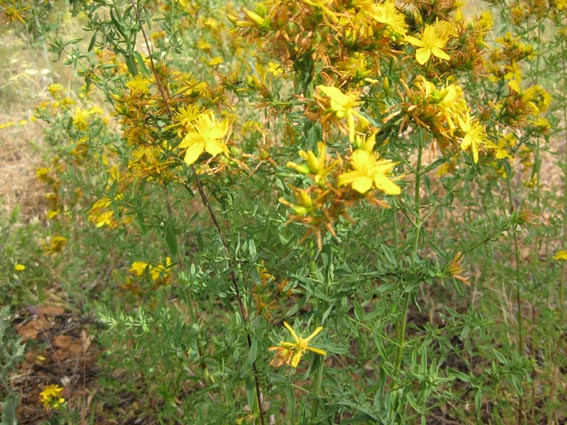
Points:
x=100 y=214
x=560 y=255
x=322 y=4
x=204 y=45
x=505 y=143
x=51 y=214
x=56 y=244
x=343 y=106
x=19 y=267
x=431 y=43
x=140 y=84
x=50 y=397
x=81 y=119
x=217 y=60
x=474 y=136
x=368 y=172
x=290 y=353
x=138 y=268
x=514 y=73
x=274 y=68
x=316 y=165
x=55 y=89
x=10 y=13
x=365 y=143
x=538 y=98
x=105 y=218
x=388 y=14
x=160 y=269
x=205 y=135
x=186 y=115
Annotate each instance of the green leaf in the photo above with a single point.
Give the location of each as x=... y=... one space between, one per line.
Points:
x=131 y=64
x=117 y=24
x=478 y=401
x=9 y=410
x=253 y=352
x=141 y=63
x=92 y=42
x=171 y=241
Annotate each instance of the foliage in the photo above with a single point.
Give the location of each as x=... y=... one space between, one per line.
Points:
x=11 y=353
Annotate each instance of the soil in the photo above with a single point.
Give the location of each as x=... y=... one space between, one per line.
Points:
x=60 y=350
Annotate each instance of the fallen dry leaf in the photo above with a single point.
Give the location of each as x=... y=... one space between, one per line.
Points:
x=50 y=310
x=31 y=329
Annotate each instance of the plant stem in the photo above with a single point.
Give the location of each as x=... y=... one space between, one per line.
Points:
x=563 y=53
x=555 y=337
x=200 y=348
x=318 y=386
x=418 y=223
x=518 y=294
x=402 y=332
x=212 y=215
x=535 y=176
x=417 y=198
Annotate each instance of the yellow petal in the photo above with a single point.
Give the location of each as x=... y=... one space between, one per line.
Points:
x=350 y=127
x=296 y=358
x=333 y=92
x=215 y=147
x=138 y=268
x=317 y=351
x=386 y=185
x=194 y=152
x=315 y=332
x=560 y=255
x=360 y=182
x=414 y=41
x=291 y=331
x=422 y=55
x=514 y=85
x=440 y=53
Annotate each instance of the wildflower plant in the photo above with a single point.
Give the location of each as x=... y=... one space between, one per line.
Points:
x=51 y=398
x=350 y=165
x=290 y=353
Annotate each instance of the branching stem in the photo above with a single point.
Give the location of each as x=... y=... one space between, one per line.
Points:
x=212 y=215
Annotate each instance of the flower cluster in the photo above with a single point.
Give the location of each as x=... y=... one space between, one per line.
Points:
x=142 y=273
x=290 y=353
x=332 y=31
x=269 y=293
x=51 y=398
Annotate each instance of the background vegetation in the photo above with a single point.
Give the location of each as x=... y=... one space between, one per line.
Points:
x=288 y=212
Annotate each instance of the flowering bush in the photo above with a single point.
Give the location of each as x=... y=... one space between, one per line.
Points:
x=340 y=166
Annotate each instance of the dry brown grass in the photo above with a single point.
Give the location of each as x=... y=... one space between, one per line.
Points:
x=25 y=75
x=18 y=162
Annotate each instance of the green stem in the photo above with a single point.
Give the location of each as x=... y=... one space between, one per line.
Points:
x=554 y=337
x=200 y=348
x=417 y=198
x=564 y=110
x=317 y=388
x=204 y=197
x=518 y=295
x=401 y=334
